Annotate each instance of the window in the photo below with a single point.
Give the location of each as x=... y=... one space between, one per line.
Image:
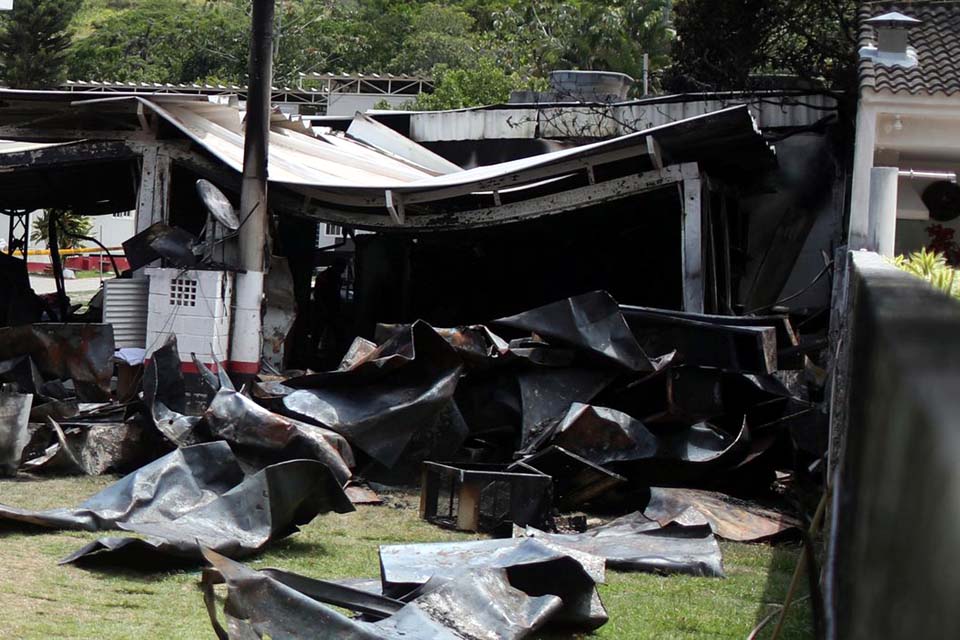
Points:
x=183 y=292
x=123 y=214
x=332 y=230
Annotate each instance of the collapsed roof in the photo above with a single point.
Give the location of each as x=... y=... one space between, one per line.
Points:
x=369 y=177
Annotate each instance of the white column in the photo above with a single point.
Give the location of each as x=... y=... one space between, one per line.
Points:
x=692 y=246
x=883 y=209
x=859 y=232
x=153 y=197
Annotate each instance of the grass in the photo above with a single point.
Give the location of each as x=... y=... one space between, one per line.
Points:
x=39 y=599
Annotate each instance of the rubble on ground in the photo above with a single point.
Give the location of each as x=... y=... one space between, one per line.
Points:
x=675 y=422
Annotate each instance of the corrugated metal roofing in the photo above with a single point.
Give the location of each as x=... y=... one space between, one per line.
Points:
x=342 y=171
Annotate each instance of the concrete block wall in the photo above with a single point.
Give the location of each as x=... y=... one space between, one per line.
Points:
x=196 y=306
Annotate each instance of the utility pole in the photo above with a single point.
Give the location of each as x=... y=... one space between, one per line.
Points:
x=245 y=342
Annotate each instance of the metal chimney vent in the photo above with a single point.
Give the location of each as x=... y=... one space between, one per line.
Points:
x=892 y=48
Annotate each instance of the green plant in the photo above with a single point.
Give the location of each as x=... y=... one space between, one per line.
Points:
x=933 y=268
x=72 y=223
x=34 y=41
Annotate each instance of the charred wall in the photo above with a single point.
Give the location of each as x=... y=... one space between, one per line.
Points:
x=630 y=248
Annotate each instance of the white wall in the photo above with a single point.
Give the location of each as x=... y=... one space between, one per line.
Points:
x=347 y=104
x=112 y=230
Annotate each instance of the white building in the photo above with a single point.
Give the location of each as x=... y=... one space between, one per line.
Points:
x=908 y=125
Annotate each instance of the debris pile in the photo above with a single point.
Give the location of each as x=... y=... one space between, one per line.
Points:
x=582 y=406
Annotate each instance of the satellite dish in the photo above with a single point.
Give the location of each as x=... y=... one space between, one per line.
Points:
x=218 y=205
x=942 y=199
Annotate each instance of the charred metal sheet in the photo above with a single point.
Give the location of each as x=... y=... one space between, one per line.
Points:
x=535 y=567
x=606 y=436
x=164 y=394
x=160 y=240
x=591 y=322
x=280 y=310
x=547 y=393
x=14 y=416
x=787 y=356
x=687 y=454
x=477 y=345
x=486 y=496
x=734 y=348
x=360 y=349
x=79 y=352
x=459 y=608
x=370 y=604
x=577 y=480
x=631 y=543
x=728 y=517
x=681 y=394
x=59 y=457
x=380 y=406
x=242 y=422
x=96 y=448
x=163 y=490
x=267 y=505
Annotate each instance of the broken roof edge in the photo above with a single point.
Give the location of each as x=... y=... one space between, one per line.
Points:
x=508 y=174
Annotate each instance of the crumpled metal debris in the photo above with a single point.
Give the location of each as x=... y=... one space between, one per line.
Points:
x=704 y=343
x=382 y=403
x=14 y=436
x=82 y=353
x=636 y=543
x=577 y=481
x=95 y=448
x=536 y=567
x=160 y=240
x=164 y=394
x=262 y=604
x=728 y=517
x=240 y=421
x=591 y=322
x=197 y=495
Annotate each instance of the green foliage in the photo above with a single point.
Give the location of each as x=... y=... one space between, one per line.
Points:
x=69 y=221
x=194 y=40
x=484 y=83
x=721 y=44
x=439 y=35
x=34 y=40
x=933 y=268
x=169 y=41
x=543 y=35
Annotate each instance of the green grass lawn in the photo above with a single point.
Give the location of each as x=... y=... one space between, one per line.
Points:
x=39 y=599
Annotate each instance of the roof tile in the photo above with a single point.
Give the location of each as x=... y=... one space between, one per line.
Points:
x=936 y=41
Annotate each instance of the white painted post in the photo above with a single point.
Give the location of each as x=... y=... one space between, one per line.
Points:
x=883 y=209
x=860 y=233
x=153 y=198
x=692 y=245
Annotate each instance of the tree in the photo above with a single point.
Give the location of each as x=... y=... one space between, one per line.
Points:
x=165 y=41
x=544 y=35
x=34 y=40
x=725 y=45
x=484 y=83
x=69 y=224
x=439 y=35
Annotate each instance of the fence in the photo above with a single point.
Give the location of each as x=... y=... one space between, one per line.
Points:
x=892 y=569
